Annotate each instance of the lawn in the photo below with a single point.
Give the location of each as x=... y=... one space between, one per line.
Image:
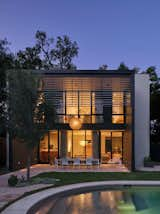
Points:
x=78 y=177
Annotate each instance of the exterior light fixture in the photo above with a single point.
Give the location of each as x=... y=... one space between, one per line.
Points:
x=75 y=123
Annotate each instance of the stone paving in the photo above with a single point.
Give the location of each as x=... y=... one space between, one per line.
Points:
x=8 y=194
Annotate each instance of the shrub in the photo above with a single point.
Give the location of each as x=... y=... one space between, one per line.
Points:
x=12 y=180
x=147 y=159
x=148 y=162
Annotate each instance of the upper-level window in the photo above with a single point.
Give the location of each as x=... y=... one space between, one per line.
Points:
x=78 y=103
x=72 y=103
x=117 y=107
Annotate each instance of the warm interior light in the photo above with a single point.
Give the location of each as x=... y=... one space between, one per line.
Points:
x=75 y=123
x=83 y=143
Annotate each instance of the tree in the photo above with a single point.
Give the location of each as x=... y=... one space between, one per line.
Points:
x=64 y=52
x=154 y=104
x=45 y=45
x=154 y=79
x=30 y=114
x=29 y=58
x=103 y=67
x=123 y=67
x=6 y=62
x=59 y=56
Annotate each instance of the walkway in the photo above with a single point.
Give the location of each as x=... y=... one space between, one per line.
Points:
x=8 y=194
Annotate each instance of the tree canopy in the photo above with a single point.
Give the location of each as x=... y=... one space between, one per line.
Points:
x=6 y=62
x=30 y=114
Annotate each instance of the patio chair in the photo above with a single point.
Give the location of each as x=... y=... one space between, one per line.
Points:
x=89 y=162
x=96 y=162
x=76 y=162
x=64 y=162
x=115 y=161
x=56 y=162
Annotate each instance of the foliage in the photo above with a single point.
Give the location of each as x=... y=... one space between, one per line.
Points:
x=154 y=103
x=6 y=62
x=59 y=56
x=123 y=67
x=47 y=55
x=12 y=180
x=30 y=115
x=29 y=58
x=146 y=159
x=103 y=67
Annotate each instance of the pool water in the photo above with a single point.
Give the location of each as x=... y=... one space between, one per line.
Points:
x=141 y=200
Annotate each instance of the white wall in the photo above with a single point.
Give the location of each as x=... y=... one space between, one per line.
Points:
x=142 y=119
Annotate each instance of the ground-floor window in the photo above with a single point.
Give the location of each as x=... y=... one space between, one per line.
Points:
x=103 y=144
x=111 y=146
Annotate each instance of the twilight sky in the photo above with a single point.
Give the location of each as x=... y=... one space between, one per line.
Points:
x=107 y=31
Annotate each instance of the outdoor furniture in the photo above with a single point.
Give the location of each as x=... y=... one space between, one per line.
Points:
x=89 y=162
x=56 y=162
x=96 y=162
x=76 y=162
x=64 y=162
x=115 y=161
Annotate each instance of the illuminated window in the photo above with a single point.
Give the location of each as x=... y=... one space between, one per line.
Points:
x=84 y=103
x=72 y=102
x=117 y=107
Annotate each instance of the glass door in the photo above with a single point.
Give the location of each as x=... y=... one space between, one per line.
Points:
x=53 y=145
x=43 y=152
x=111 y=146
x=106 y=146
x=117 y=146
x=79 y=144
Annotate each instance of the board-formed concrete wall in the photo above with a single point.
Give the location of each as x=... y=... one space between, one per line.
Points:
x=142 y=119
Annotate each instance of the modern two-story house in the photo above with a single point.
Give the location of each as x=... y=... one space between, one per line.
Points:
x=100 y=114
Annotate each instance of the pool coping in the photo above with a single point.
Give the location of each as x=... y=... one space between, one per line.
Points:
x=23 y=205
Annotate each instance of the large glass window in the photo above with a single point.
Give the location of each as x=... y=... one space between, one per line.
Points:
x=71 y=102
x=44 y=149
x=117 y=107
x=79 y=144
x=89 y=106
x=53 y=145
x=106 y=146
x=111 y=146
x=84 y=103
x=89 y=144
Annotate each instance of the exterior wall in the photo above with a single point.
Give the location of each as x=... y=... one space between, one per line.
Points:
x=2 y=152
x=20 y=155
x=142 y=119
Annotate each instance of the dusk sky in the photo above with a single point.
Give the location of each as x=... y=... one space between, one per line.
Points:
x=107 y=31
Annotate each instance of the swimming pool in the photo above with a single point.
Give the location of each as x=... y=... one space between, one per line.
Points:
x=118 y=200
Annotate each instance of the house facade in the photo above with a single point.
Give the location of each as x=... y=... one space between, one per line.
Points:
x=100 y=114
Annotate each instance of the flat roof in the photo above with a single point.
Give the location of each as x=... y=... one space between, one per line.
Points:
x=88 y=72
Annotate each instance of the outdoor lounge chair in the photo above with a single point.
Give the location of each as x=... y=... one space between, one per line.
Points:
x=89 y=162
x=64 y=162
x=56 y=162
x=115 y=160
x=96 y=162
x=76 y=162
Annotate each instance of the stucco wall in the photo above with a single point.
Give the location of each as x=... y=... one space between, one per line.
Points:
x=142 y=119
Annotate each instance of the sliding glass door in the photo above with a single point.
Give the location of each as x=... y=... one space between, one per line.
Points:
x=111 y=146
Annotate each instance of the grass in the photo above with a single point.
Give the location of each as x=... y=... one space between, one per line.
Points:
x=78 y=177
